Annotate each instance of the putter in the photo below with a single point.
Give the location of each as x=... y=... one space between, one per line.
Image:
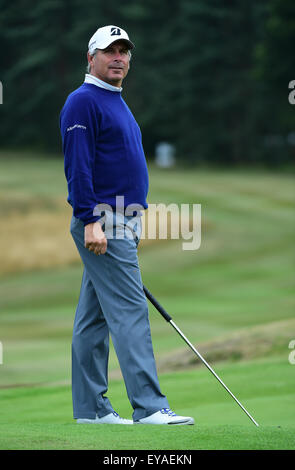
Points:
x=167 y=317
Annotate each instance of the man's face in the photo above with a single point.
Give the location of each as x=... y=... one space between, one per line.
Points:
x=111 y=64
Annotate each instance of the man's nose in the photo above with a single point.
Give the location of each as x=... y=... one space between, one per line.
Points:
x=117 y=56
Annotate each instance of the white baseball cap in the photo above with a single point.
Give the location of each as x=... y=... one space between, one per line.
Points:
x=105 y=36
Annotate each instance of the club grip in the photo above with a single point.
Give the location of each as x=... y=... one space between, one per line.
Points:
x=156 y=304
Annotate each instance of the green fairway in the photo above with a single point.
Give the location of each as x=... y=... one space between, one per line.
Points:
x=40 y=417
x=233 y=298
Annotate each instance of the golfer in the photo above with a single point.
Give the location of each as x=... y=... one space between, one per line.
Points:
x=104 y=160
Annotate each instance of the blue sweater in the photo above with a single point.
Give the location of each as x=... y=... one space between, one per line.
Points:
x=103 y=151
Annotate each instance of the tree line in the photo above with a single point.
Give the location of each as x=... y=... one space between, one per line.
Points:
x=210 y=77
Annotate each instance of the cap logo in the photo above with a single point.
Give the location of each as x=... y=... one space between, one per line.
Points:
x=115 y=32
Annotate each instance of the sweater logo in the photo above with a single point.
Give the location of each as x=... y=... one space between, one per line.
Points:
x=76 y=126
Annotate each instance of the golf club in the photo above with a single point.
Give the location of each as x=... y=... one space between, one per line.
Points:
x=167 y=317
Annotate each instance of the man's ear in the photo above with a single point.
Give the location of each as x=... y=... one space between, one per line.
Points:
x=129 y=59
x=89 y=58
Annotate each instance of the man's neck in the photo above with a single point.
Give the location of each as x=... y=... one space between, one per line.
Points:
x=89 y=78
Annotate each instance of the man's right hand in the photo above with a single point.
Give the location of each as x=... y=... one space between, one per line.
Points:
x=94 y=238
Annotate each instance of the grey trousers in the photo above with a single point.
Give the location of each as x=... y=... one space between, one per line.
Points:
x=112 y=302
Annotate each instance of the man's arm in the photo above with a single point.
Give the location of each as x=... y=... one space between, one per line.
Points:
x=79 y=130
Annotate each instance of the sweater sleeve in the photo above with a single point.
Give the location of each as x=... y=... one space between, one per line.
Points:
x=79 y=129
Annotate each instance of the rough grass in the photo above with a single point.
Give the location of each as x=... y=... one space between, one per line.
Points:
x=250 y=343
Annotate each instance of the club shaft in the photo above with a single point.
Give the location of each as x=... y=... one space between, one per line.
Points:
x=167 y=317
x=211 y=370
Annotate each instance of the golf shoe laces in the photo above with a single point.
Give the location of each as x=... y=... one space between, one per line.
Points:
x=168 y=411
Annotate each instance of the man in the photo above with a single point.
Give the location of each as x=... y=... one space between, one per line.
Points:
x=104 y=159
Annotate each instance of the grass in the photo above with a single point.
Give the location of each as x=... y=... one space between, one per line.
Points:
x=40 y=417
x=233 y=298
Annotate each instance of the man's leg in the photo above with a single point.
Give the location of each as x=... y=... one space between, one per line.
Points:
x=90 y=351
x=117 y=282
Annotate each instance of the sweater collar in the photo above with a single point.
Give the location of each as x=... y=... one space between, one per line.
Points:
x=96 y=81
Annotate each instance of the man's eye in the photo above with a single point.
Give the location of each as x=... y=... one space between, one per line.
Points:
x=111 y=51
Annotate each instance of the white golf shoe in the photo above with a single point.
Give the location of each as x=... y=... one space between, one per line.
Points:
x=165 y=416
x=112 y=418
